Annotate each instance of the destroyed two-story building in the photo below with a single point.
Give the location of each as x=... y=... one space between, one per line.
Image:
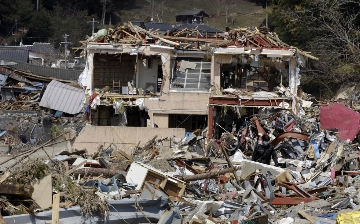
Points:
x=138 y=77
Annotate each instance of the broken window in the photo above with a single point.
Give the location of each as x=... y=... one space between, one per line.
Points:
x=191 y=74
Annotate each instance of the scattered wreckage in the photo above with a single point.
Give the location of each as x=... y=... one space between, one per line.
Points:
x=194 y=179
x=206 y=176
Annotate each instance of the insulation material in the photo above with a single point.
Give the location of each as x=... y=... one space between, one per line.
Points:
x=85 y=77
x=342 y=118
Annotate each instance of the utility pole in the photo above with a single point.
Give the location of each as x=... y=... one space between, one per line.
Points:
x=66 y=43
x=37 y=5
x=93 y=25
x=266 y=14
x=153 y=9
x=152 y=6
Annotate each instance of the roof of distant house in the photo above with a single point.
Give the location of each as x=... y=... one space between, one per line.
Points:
x=138 y=23
x=158 y=26
x=47 y=72
x=16 y=53
x=193 y=12
x=44 y=48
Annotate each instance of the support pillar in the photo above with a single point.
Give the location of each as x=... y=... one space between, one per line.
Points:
x=211 y=122
x=292 y=76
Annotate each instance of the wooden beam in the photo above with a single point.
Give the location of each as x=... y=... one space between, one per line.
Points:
x=75 y=168
x=16 y=189
x=158 y=37
x=127 y=33
x=4 y=176
x=134 y=28
x=307 y=216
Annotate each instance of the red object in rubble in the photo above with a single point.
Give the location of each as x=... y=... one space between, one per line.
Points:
x=344 y=119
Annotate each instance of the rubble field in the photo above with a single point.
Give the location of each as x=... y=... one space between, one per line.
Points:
x=214 y=174
x=193 y=179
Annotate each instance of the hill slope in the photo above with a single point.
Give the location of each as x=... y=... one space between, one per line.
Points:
x=246 y=13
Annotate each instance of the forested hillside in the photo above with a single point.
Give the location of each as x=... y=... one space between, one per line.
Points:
x=48 y=20
x=326 y=28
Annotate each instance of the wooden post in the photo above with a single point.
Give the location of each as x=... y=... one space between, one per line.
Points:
x=210 y=121
x=2 y=221
x=55 y=209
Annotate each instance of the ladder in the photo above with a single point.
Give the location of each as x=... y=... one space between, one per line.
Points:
x=116 y=87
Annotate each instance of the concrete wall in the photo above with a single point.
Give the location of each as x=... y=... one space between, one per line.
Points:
x=194 y=102
x=125 y=138
x=161 y=120
x=176 y=103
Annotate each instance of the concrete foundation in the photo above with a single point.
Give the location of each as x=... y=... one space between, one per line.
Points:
x=125 y=138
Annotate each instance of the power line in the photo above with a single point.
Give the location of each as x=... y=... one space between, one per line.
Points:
x=8 y=34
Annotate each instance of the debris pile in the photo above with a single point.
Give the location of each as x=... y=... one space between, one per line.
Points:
x=314 y=177
x=189 y=38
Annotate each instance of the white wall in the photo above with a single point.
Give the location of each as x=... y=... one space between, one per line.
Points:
x=145 y=74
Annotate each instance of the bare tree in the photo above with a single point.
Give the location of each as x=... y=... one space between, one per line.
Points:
x=218 y=5
x=333 y=35
x=229 y=8
x=232 y=17
x=104 y=2
x=339 y=42
x=152 y=8
x=162 y=7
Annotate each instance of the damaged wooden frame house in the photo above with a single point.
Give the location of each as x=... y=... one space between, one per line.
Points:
x=178 y=78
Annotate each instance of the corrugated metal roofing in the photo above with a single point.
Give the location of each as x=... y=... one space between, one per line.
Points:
x=15 y=53
x=139 y=23
x=62 y=97
x=58 y=73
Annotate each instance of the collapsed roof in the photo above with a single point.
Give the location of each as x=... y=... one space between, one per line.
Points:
x=194 y=37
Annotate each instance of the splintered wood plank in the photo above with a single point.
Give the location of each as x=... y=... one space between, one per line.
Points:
x=55 y=209
x=307 y=216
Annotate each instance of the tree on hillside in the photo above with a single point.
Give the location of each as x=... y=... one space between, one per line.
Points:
x=217 y=5
x=17 y=12
x=71 y=21
x=229 y=8
x=327 y=28
x=40 y=24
